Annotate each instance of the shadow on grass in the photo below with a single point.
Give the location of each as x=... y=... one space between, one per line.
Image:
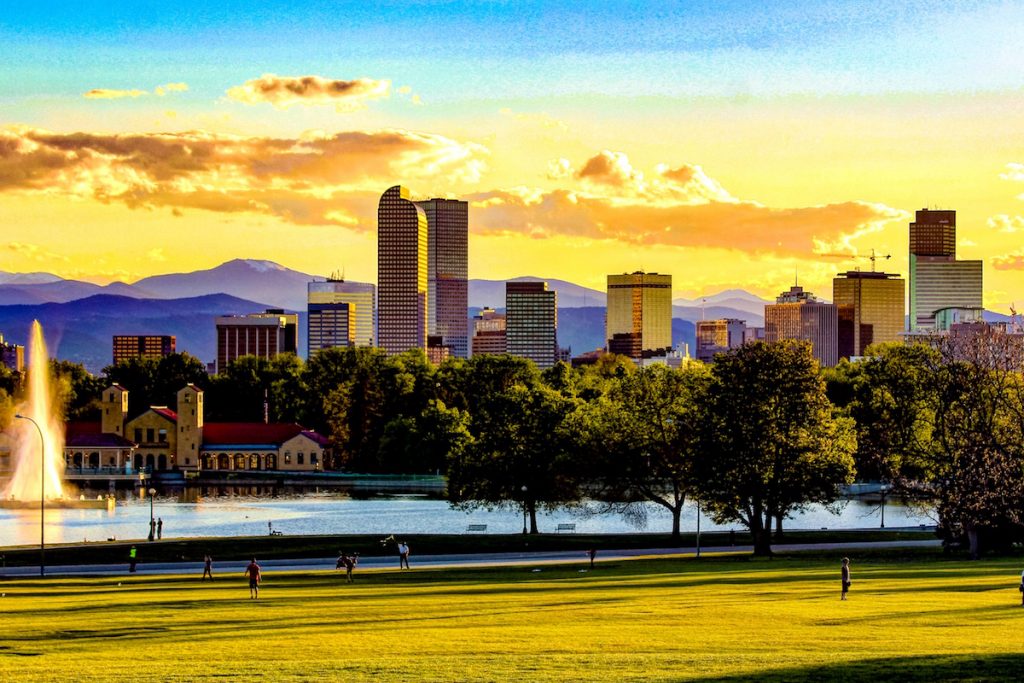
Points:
x=988 y=667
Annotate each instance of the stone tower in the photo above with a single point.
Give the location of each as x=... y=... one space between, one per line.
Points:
x=115 y=409
x=190 y=427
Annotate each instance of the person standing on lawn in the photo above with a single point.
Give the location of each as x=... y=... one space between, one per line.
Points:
x=846 y=577
x=255 y=575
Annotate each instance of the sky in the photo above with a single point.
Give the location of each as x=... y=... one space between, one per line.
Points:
x=731 y=144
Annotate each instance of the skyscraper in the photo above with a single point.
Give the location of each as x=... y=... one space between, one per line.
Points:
x=152 y=346
x=718 y=336
x=489 y=333
x=360 y=297
x=329 y=326
x=447 y=272
x=531 y=322
x=257 y=334
x=401 y=272
x=797 y=314
x=869 y=308
x=938 y=281
x=639 y=317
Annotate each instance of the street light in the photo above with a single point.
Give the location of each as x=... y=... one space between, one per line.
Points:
x=524 y=509
x=152 y=524
x=698 y=527
x=42 y=495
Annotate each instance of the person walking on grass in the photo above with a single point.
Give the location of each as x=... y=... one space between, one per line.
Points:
x=846 y=577
x=349 y=562
x=207 y=567
x=133 y=557
x=159 y=529
x=1021 y=589
x=403 y=555
x=254 y=574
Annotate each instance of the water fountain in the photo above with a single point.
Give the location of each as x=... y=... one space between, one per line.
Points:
x=40 y=426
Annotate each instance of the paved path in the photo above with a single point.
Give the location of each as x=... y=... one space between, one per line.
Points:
x=438 y=561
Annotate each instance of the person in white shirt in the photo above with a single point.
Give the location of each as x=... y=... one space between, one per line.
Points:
x=403 y=555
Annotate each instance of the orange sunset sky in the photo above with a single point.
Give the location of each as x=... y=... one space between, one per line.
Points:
x=729 y=144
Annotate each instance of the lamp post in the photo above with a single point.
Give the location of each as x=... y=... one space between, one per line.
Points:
x=42 y=494
x=524 y=509
x=698 y=528
x=152 y=523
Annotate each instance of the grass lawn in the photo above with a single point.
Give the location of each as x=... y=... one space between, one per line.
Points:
x=911 y=616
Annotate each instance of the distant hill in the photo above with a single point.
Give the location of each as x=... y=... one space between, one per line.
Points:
x=492 y=293
x=735 y=299
x=254 y=280
x=81 y=331
x=26 y=278
x=582 y=330
x=62 y=291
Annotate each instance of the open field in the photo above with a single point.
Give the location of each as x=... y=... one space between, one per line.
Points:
x=911 y=616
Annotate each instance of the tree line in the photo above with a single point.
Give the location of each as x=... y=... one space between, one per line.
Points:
x=754 y=438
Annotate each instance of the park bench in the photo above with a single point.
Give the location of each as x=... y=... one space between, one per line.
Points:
x=476 y=527
x=275 y=532
x=565 y=527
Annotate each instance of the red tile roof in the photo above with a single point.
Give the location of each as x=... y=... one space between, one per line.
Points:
x=166 y=412
x=88 y=435
x=215 y=433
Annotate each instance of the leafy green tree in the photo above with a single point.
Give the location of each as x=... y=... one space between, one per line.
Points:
x=517 y=451
x=156 y=382
x=77 y=391
x=239 y=391
x=640 y=440
x=771 y=443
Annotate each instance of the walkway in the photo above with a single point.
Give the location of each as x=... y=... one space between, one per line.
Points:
x=447 y=561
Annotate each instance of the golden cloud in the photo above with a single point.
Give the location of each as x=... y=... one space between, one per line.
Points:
x=162 y=90
x=284 y=91
x=109 y=94
x=1005 y=223
x=317 y=178
x=1011 y=261
x=678 y=206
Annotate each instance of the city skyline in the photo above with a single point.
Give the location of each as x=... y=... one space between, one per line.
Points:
x=728 y=145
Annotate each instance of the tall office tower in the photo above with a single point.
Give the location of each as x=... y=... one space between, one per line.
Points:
x=12 y=355
x=869 y=308
x=329 y=326
x=938 y=281
x=718 y=336
x=448 y=272
x=401 y=272
x=489 y=333
x=797 y=314
x=257 y=334
x=639 y=314
x=128 y=346
x=531 y=322
x=362 y=307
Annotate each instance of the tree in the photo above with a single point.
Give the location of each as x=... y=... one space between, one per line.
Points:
x=640 y=440
x=771 y=443
x=78 y=392
x=516 y=442
x=156 y=382
x=239 y=391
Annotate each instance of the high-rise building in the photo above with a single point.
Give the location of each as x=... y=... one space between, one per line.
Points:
x=489 y=333
x=937 y=279
x=359 y=296
x=718 y=336
x=869 y=308
x=257 y=334
x=639 y=315
x=401 y=272
x=329 y=326
x=437 y=351
x=531 y=322
x=797 y=314
x=12 y=355
x=448 y=272
x=151 y=346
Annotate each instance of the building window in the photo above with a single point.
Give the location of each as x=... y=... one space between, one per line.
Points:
x=312 y=458
x=300 y=459
x=149 y=435
x=138 y=435
x=162 y=434
x=287 y=457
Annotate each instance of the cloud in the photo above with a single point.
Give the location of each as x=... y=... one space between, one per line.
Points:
x=285 y=91
x=1012 y=261
x=34 y=252
x=1013 y=172
x=156 y=254
x=108 y=94
x=559 y=168
x=317 y=178
x=677 y=206
x=1004 y=223
x=162 y=90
